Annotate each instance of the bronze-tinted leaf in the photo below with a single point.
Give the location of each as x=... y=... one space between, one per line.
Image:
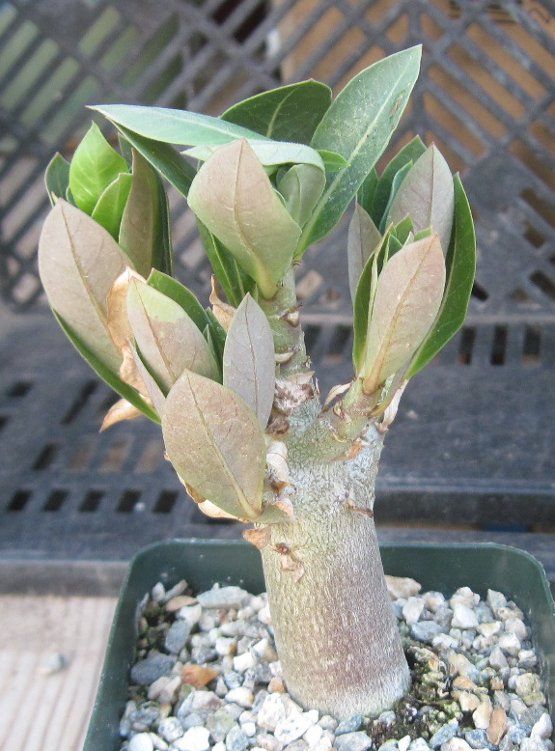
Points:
x=426 y=194
x=234 y=198
x=363 y=237
x=118 y=412
x=215 y=443
x=168 y=340
x=78 y=264
x=408 y=296
x=249 y=359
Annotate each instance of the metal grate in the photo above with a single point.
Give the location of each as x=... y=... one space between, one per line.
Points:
x=473 y=442
x=485 y=95
x=69 y=493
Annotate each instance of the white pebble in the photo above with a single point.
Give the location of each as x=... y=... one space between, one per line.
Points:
x=243 y=662
x=516 y=626
x=456 y=744
x=294 y=727
x=195 y=739
x=402 y=586
x=412 y=609
x=141 y=742
x=510 y=644
x=242 y=696
x=543 y=727
x=190 y=613
x=463 y=616
x=403 y=743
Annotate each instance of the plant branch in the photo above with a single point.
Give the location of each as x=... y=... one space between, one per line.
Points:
x=282 y=311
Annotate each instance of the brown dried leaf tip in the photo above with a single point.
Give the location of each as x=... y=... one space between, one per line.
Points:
x=259 y=537
x=289 y=561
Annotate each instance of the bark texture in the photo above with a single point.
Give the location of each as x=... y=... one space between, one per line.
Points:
x=335 y=630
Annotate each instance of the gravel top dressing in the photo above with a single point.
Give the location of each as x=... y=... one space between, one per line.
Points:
x=207 y=676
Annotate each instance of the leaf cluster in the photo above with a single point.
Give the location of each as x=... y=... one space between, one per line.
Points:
x=269 y=177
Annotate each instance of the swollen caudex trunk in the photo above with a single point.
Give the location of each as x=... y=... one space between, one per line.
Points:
x=335 y=630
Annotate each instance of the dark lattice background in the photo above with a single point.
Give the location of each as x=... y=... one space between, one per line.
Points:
x=485 y=96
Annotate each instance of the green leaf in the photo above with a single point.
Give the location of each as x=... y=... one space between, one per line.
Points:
x=56 y=177
x=427 y=196
x=407 y=299
x=165 y=159
x=367 y=191
x=163 y=254
x=332 y=160
x=111 y=204
x=358 y=125
x=301 y=187
x=234 y=198
x=153 y=390
x=188 y=301
x=363 y=301
x=94 y=166
x=403 y=230
x=218 y=334
x=144 y=224
x=166 y=337
x=268 y=153
x=108 y=376
x=235 y=283
x=409 y=153
x=79 y=262
x=362 y=239
x=214 y=441
x=289 y=113
x=461 y=269
x=395 y=185
x=179 y=127
x=249 y=359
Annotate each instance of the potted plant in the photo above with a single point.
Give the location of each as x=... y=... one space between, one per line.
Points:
x=232 y=386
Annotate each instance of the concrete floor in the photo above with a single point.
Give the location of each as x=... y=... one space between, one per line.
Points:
x=41 y=711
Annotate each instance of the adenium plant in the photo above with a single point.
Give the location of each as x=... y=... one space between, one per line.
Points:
x=231 y=384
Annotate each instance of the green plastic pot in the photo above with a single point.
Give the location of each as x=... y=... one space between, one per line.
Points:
x=202 y=563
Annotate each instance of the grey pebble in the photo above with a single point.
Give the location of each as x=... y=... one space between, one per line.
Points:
x=353 y=742
x=177 y=636
x=444 y=734
x=236 y=740
x=425 y=631
x=150 y=669
x=349 y=726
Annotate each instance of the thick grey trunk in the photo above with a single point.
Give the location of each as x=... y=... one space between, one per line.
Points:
x=335 y=630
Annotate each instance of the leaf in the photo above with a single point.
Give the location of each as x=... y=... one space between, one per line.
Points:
x=301 y=187
x=249 y=359
x=332 y=160
x=367 y=191
x=188 y=301
x=116 y=307
x=461 y=269
x=111 y=204
x=143 y=231
x=163 y=254
x=426 y=195
x=165 y=159
x=222 y=311
x=408 y=296
x=155 y=393
x=219 y=335
x=56 y=177
x=167 y=339
x=233 y=280
x=179 y=127
x=268 y=153
x=216 y=445
x=358 y=125
x=395 y=185
x=403 y=230
x=233 y=197
x=78 y=263
x=288 y=113
x=409 y=153
x=362 y=238
x=107 y=375
x=119 y=412
x=94 y=166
